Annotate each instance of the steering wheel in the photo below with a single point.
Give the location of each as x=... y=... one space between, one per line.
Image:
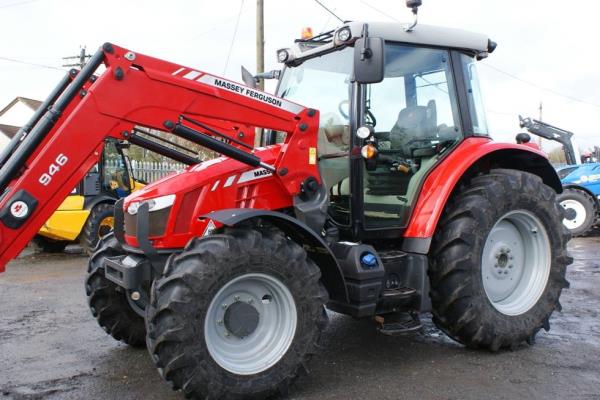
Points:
x=369 y=117
x=342 y=107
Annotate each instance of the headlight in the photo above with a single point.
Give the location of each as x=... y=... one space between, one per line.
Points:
x=133 y=208
x=363 y=132
x=283 y=55
x=155 y=204
x=344 y=34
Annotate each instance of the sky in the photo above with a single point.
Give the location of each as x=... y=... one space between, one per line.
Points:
x=547 y=49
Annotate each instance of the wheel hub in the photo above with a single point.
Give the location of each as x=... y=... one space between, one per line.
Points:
x=250 y=323
x=504 y=263
x=515 y=262
x=241 y=319
x=575 y=214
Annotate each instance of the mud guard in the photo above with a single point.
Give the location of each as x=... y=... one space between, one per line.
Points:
x=316 y=247
x=474 y=155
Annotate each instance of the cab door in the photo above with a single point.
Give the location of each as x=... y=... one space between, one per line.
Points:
x=415 y=117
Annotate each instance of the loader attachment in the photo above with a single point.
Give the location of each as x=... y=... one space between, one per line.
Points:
x=65 y=136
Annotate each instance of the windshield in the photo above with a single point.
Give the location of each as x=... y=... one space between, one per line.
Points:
x=323 y=83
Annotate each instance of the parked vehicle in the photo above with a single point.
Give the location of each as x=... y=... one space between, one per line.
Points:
x=580 y=197
x=581 y=181
x=86 y=214
x=383 y=199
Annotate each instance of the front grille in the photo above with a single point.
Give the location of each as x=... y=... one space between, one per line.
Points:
x=156 y=225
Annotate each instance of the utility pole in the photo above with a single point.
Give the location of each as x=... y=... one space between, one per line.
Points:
x=82 y=59
x=260 y=41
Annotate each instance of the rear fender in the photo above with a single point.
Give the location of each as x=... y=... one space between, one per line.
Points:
x=316 y=247
x=472 y=157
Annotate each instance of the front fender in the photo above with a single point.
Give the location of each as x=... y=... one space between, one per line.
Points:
x=316 y=247
x=473 y=156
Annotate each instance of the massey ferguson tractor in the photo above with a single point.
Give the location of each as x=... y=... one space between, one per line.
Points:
x=377 y=193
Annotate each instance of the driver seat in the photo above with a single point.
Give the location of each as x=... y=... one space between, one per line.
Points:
x=414 y=122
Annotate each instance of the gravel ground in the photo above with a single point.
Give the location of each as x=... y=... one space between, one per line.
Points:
x=52 y=348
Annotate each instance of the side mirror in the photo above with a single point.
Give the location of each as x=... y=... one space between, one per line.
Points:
x=248 y=78
x=368 y=60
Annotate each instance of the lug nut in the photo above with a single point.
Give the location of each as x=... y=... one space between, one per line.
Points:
x=226 y=334
x=135 y=296
x=237 y=298
x=220 y=322
x=223 y=306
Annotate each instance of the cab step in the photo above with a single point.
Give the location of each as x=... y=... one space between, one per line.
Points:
x=400 y=293
x=398 y=323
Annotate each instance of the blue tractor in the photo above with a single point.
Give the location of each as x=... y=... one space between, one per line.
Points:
x=580 y=196
x=581 y=181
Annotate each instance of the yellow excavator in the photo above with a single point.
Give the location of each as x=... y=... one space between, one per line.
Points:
x=87 y=213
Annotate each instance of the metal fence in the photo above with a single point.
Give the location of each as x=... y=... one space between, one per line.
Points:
x=151 y=171
x=148 y=171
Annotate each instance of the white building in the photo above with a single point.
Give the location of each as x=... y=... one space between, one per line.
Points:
x=14 y=116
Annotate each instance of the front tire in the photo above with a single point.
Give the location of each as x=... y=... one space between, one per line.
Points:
x=499 y=261
x=99 y=224
x=108 y=302
x=580 y=211
x=236 y=315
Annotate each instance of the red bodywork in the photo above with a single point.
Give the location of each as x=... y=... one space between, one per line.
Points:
x=149 y=92
x=441 y=181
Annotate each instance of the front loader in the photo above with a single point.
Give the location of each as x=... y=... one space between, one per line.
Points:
x=384 y=199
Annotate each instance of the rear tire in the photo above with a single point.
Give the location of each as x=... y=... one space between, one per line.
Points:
x=478 y=298
x=108 y=301
x=209 y=355
x=580 y=211
x=99 y=224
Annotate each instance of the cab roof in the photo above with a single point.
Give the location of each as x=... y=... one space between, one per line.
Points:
x=429 y=35
x=475 y=44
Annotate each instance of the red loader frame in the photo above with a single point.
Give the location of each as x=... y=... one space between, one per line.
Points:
x=65 y=137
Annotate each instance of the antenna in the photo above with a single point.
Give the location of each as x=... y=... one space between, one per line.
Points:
x=414 y=6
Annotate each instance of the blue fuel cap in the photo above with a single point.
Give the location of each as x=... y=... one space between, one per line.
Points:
x=368 y=260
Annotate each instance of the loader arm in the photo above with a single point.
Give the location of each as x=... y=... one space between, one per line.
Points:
x=62 y=142
x=550 y=132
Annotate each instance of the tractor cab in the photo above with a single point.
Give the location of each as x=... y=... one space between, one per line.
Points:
x=392 y=103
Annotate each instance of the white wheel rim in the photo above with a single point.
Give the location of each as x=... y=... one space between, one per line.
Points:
x=268 y=341
x=516 y=261
x=580 y=214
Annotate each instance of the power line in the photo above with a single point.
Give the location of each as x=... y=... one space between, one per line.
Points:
x=329 y=11
x=18 y=4
x=31 y=64
x=566 y=96
x=379 y=11
x=237 y=23
x=575 y=99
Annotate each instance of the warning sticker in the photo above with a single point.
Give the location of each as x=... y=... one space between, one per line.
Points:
x=312 y=155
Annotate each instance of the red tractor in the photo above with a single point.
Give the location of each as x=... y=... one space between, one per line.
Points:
x=384 y=199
